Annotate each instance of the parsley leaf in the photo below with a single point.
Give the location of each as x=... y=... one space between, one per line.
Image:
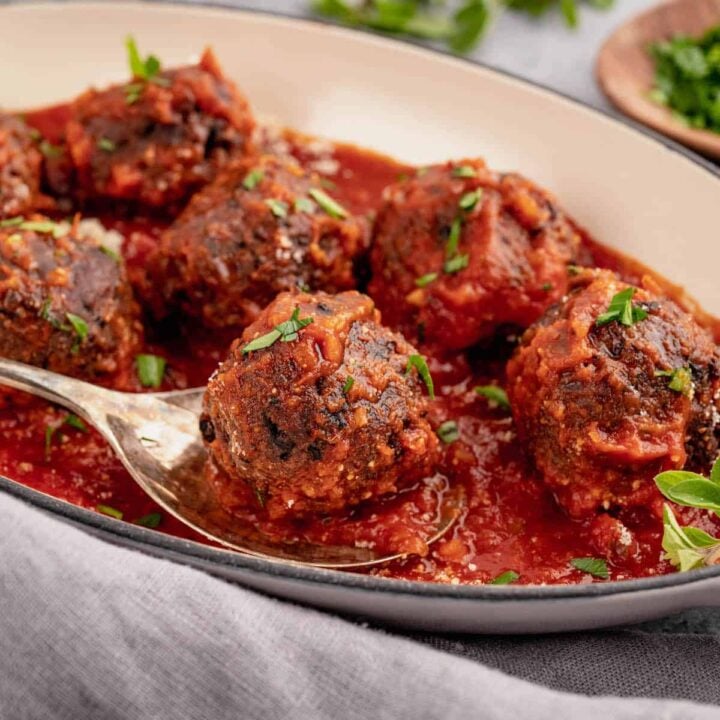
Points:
x=330 y=206
x=110 y=511
x=426 y=279
x=420 y=364
x=150 y=370
x=448 y=432
x=680 y=380
x=622 y=310
x=253 y=178
x=687 y=78
x=286 y=332
x=495 y=395
x=597 y=567
x=509 y=576
x=348 y=384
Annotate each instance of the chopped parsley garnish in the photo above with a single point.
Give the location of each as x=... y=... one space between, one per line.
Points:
x=71 y=420
x=44 y=227
x=464 y=171
x=278 y=207
x=286 y=332
x=151 y=520
x=49 y=150
x=110 y=511
x=597 y=567
x=75 y=422
x=348 y=384
x=80 y=327
x=573 y=270
x=426 y=279
x=680 y=379
x=253 y=178
x=509 y=576
x=147 y=70
x=330 y=206
x=456 y=264
x=687 y=78
x=133 y=91
x=622 y=310
x=150 y=370
x=470 y=199
x=448 y=432
x=494 y=394
x=547 y=287
x=305 y=205
x=420 y=364
x=110 y=253
x=106 y=144
x=453 y=240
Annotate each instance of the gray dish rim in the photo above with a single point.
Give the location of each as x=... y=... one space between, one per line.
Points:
x=127 y=533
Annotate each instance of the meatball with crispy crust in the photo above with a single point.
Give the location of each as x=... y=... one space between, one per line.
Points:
x=157 y=141
x=20 y=169
x=322 y=415
x=459 y=250
x=65 y=302
x=608 y=391
x=263 y=227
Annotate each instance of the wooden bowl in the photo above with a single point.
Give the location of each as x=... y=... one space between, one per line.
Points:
x=625 y=70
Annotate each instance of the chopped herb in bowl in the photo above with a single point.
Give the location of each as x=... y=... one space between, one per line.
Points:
x=687 y=78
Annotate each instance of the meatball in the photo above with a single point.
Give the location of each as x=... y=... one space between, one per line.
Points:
x=606 y=400
x=256 y=231
x=65 y=303
x=459 y=251
x=20 y=169
x=157 y=141
x=324 y=417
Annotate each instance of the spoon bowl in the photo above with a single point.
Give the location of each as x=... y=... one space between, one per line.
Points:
x=157 y=438
x=625 y=71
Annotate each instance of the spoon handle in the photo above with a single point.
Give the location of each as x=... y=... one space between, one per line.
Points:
x=76 y=395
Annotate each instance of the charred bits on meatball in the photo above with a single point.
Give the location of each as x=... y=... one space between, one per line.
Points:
x=65 y=302
x=322 y=415
x=263 y=227
x=459 y=251
x=610 y=387
x=20 y=169
x=158 y=138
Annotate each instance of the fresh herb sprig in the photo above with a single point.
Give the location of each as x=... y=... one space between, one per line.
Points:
x=460 y=25
x=690 y=547
x=687 y=78
x=143 y=70
x=419 y=363
x=495 y=395
x=622 y=310
x=286 y=332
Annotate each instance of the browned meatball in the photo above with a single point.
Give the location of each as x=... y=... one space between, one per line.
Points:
x=256 y=231
x=324 y=418
x=156 y=142
x=459 y=250
x=604 y=407
x=65 y=303
x=20 y=169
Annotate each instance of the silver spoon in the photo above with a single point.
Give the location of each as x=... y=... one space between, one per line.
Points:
x=156 y=436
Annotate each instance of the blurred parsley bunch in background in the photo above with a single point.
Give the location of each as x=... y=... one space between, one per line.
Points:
x=687 y=78
x=461 y=25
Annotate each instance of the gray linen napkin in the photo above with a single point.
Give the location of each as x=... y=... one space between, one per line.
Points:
x=89 y=630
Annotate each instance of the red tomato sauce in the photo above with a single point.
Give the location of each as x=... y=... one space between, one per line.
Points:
x=509 y=520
